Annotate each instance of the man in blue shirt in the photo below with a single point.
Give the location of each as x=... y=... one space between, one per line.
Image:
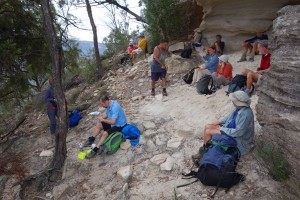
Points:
x=113 y=120
x=51 y=107
x=251 y=45
x=210 y=65
x=239 y=123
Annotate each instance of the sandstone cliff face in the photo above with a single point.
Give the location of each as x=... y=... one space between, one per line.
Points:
x=278 y=108
x=237 y=20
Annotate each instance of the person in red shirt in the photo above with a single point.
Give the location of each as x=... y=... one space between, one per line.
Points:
x=265 y=63
x=130 y=48
x=224 y=72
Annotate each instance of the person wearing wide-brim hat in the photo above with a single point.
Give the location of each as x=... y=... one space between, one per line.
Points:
x=223 y=75
x=239 y=123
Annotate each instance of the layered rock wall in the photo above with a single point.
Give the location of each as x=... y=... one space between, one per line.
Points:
x=278 y=108
x=237 y=20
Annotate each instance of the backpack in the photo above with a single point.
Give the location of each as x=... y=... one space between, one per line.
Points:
x=238 y=83
x=218 y=164
x=204 y=83
x=74 y=118
x=188 y=77
x=186 y=53
x=113 y=142
x=132 y=133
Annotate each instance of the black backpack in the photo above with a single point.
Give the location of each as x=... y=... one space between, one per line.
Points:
x=238 y=83
x=186 y=53
x=205 y=85
x=218 y=164
x=188 y=77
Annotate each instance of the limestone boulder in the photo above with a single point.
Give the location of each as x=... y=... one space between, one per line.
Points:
x=159 y=159
x=125 y=172
x=278 y=108
x=176 y=64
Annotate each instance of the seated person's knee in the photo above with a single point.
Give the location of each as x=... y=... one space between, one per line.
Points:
x=104 y=134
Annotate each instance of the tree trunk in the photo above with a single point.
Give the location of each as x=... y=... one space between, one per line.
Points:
x=94 y=28
x=57 y=67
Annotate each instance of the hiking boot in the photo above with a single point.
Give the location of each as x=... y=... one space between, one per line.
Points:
x=152 y=93
x=251 y=59
x=242 y=60
x=91 y=153
x=196 y=156
x=164 y=93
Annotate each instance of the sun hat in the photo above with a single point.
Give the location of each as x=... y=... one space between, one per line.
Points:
x=224 y=58
x=263 y=43
x=240 y=98
x=141 y=34
x=130 y=43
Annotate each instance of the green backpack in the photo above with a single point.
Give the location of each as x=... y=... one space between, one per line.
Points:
x=112 y=142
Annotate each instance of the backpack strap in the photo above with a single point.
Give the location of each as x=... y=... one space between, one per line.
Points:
x=187 y=183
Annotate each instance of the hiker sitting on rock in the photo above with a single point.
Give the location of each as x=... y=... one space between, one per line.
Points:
x=251 y=45
x=209 y=67
x=239 y=123
x=158 y=67
x=129 y=55
x=113 y=120
x=219 y=44
x=224 y=72
x=265 y=63
x=142 y=45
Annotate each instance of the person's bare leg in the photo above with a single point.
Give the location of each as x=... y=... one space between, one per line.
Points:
x=102 y=139
x=163 y=83
x=209 y=131
x=251 y=77
x=97 y=128
x=152 y=84
x=245 y=71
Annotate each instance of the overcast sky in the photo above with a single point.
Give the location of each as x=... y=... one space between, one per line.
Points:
x=100 y=18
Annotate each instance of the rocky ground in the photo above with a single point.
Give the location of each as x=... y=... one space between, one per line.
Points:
x=172 y=131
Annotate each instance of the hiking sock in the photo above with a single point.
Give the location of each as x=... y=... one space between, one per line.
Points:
x=91 y=139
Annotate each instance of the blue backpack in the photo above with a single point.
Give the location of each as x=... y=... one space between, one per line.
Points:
x=132 y=133
x=218 y=164
x=74 y=118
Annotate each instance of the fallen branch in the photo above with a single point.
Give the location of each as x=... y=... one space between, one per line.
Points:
x=14 y=128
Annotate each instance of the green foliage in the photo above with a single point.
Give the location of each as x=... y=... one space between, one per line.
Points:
x=163 y=19
x=273 y=158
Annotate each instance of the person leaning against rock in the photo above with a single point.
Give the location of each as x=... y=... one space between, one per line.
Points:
x=224 y=72
x=158 y=67
x=113 y=120
x=51 y=107
x=265 y=63
x=251 y=45
x=219 y=45
x=210 y=66
x=239 y=123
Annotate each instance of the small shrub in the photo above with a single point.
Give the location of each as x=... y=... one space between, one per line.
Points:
x=273 y=159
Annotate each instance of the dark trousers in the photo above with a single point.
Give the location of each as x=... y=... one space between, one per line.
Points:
x=52 y=118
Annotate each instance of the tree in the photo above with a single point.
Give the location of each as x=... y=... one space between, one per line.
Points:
x=56 y=53
x=95 y=39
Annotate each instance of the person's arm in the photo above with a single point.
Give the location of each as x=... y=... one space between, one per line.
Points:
x=109 y=121
x=224 y=119
x=155 y=56
x=49 y=96
x=242 y=122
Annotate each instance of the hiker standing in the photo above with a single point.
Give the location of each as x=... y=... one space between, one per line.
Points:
x=158 y=67
x=239 y=124
x=113 y=120
x=51 y=107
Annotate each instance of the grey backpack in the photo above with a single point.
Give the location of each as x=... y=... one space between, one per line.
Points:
x=205 y=85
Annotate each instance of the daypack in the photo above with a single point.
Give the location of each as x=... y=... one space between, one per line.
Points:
x=218 y=164
x=113 y=142
x=74 y=118
x=186 y=53
x=205 y=85
x=188 y=77
x=238 y=83
x=132 y=133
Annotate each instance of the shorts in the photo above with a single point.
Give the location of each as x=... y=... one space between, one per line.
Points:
x=110 y=130
x=156 y=75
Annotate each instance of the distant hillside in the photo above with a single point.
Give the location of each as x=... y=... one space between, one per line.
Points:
x=86 y=46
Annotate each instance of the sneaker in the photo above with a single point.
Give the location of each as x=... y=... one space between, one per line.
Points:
x=152 y=93
x=242 y=60
x=164 y=93
x=91 y=153
x=87 y=143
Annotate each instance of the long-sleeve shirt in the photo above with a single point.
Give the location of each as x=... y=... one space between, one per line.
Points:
x=244 y=130
x=212 y=62
x=226 y=71
x=49 y=96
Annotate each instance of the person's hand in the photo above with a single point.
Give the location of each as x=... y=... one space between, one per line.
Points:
x=163 y=67
x=215 y=124
x=101 y=119
x=202 y=67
